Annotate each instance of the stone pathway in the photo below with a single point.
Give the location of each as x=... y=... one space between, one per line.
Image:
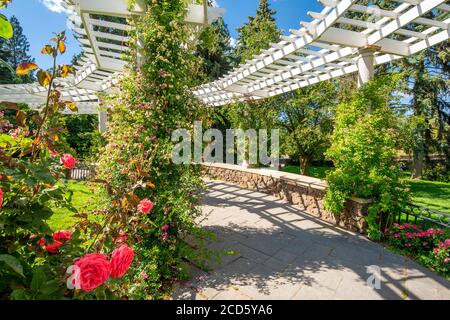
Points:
x=283 y=253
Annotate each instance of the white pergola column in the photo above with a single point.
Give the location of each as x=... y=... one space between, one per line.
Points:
x=366 y=64
x=102 y=121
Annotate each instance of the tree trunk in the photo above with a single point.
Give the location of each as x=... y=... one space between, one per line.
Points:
x=418 y=164
x=447 y=149
x=304 y=166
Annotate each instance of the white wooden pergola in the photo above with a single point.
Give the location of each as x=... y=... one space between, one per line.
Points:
x=326 y=48
x=333 y=44
x=101 y=27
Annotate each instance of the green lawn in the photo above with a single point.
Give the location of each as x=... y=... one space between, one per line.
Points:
x=316 y=172
x=430 y=194
x=83 y=198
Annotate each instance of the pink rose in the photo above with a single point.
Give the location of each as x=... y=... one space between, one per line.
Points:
x=145 y=206
x=1 y=198
x=165 y=236
x=121 y=260
x=68 y=161
x=165 y=228
x=446 y=260
x=95 y=269
x=15 y=133
x=62 y=236
x=122 y=237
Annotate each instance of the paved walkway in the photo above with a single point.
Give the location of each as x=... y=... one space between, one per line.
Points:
x=283 y=253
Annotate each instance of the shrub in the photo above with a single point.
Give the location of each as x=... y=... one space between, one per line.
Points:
x=363 y=149
x=431 y=247
x=411 y=238
x=440 y=257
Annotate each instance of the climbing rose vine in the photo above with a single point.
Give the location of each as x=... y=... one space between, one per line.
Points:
x=148 y=191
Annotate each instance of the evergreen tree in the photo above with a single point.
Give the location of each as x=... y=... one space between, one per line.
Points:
x=258 y=33
x=216 y=50
x=13 y=52
x=427 y=76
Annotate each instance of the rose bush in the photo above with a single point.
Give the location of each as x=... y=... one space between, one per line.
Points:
x=147 y=229
x=440 y=257
x=431 y=247
x=33 y=259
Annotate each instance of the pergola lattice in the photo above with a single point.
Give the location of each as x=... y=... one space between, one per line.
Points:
x=101 y=27
x=326 y=48
x=334 y=43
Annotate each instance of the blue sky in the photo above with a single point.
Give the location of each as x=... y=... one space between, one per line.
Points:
x=40 y=18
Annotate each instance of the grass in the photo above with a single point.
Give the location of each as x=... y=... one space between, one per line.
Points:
x=83 y=198
x=316 y=172
x=430 y=194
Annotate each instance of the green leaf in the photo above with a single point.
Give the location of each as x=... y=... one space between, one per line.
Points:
x=6 y=30
x=50 y=288
x=39 y=279
x=20 y=294
x=13 y=263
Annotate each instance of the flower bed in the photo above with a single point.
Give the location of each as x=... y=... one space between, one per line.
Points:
x=430 y=247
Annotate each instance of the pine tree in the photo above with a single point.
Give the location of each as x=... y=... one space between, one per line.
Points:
x=13 y=52
x=258 y=33
x=216 y=50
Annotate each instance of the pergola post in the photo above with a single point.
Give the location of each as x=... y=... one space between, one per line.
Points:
x=366 y=64
x=102 y=121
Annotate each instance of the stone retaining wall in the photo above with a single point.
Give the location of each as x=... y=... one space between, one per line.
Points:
x=306 y=193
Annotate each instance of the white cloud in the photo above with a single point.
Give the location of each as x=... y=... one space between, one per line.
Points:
x=55 y=6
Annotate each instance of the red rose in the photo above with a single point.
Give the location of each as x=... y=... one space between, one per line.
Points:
x=68 y=161
x=54 y=247
x=145 y=206
x=95 y=269
x=50 y=247
x=121 y=260
x=62 y=236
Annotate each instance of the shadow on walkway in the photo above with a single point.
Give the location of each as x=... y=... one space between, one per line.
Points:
x=284 y=253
